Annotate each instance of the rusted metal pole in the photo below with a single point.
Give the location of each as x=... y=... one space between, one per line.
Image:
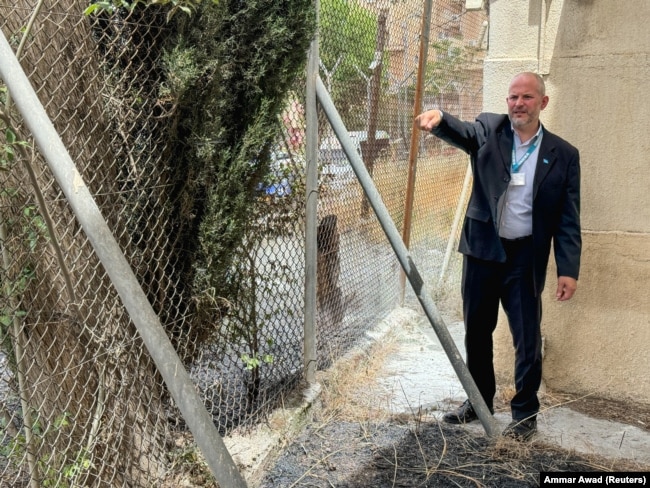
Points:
x=415 y=134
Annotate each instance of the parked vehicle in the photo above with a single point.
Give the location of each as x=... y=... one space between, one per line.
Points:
x=279 y=182
x=336 y=168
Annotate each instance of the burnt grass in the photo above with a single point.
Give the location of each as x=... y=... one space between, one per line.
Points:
x=351 y=441
x=399 y=453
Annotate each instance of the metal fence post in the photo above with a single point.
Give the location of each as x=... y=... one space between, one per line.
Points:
x=133 y=297
x=415 y=134
x=311 y=210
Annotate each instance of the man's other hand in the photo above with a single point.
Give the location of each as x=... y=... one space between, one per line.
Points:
x=566 y=287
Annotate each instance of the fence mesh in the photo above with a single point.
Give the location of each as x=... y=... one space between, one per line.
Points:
x=81 y=403
x=369 y=55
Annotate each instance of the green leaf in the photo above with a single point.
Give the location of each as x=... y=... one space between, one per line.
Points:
x=9 y=151
x=11 y=137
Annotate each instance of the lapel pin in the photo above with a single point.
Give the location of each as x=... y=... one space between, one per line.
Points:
x=545 y=161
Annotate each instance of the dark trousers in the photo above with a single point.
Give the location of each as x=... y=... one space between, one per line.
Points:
x=484 y=285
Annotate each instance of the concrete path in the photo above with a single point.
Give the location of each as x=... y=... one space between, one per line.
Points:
x=421 y=380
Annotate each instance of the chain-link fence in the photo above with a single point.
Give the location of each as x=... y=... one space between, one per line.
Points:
x=81 y=401
x=369 y=62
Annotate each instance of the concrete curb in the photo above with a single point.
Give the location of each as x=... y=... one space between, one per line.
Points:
x=255 y=450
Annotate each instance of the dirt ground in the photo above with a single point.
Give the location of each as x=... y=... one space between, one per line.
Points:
x=408 y=453
x=352 y=441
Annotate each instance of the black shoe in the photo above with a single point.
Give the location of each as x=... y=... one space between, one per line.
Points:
x=521 y=430
x=462 y=415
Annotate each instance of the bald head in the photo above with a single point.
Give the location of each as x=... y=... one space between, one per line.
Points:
x=539 y=81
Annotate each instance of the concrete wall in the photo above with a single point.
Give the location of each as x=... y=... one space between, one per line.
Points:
x=595 y=57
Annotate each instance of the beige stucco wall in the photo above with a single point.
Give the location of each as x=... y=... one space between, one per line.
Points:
x=595 y=56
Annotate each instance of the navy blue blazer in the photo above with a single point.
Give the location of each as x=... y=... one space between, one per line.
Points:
x=556 y=193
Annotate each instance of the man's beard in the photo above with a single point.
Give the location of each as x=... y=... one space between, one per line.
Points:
x=519 y=122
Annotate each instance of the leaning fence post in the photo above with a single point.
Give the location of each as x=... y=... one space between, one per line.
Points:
x=395 y=239
x=107 y=249
x=458 y=214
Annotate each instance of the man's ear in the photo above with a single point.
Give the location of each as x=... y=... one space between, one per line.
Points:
x=544 y=101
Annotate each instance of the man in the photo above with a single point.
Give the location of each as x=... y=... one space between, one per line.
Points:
x=525 y=195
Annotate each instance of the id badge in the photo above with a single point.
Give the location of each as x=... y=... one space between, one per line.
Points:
x=518 y=179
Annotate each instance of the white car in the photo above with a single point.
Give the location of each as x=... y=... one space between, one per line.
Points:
x=336 y=169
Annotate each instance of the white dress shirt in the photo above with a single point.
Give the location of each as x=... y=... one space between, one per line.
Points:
x=517 y=214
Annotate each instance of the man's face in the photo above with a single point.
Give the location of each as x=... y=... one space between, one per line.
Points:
x=525 y=102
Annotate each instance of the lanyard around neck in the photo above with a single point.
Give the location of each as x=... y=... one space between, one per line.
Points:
x=516 y=165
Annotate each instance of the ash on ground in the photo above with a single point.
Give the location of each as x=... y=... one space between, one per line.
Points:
x=409 y=454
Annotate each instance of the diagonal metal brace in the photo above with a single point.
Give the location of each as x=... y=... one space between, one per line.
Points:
x=107 y=249
x=393 y=235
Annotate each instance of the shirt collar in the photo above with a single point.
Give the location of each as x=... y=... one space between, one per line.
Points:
x=533 y=139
